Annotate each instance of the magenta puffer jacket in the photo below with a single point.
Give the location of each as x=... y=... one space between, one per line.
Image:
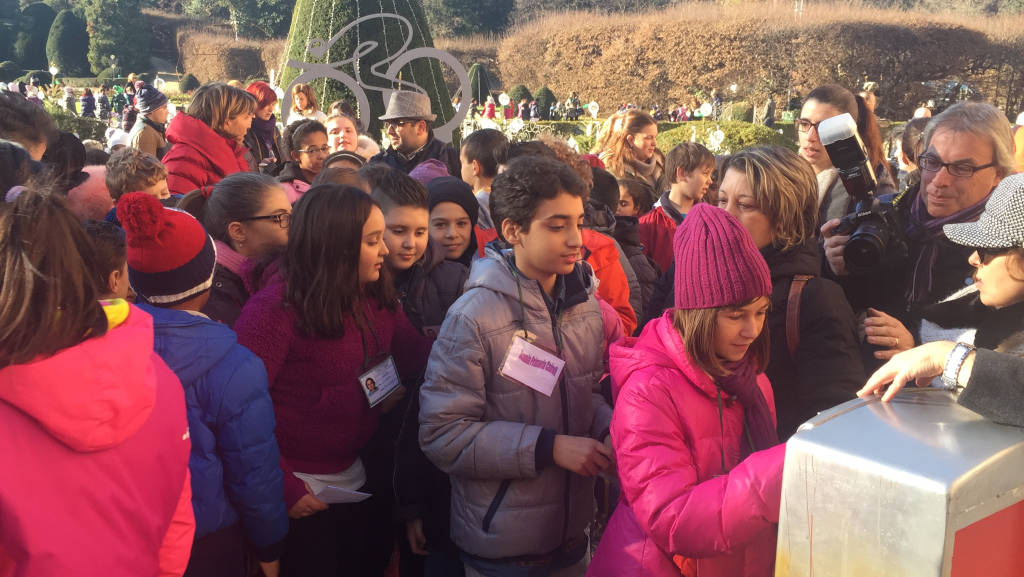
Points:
x=680 y=512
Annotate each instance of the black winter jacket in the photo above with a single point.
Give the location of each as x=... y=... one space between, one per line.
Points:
x=627 y=233
x=422 y=491
x=227 y=296
x=429 y=287
x=255 y=155
x=434 y=148
x=827 y=369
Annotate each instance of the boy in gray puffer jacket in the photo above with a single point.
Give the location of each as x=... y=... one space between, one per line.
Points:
x=511 y=407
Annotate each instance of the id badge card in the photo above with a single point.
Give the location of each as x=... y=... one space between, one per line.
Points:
x=532 y=366
x=380 y=381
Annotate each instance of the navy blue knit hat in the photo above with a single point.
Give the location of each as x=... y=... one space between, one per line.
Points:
x=148 y=99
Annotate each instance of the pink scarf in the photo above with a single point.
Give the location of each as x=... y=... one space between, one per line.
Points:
x=228 y=258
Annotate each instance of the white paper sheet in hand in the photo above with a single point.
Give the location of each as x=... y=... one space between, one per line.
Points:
x=331 y=494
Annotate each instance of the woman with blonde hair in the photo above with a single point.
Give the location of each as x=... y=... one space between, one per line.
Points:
x=815 y=360
x=206 y=140
x=629 y=149
x=304 y=105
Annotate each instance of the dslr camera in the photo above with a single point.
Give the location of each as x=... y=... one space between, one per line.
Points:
x=875 y=231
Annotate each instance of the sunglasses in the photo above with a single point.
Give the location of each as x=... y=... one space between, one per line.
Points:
x=987 y=254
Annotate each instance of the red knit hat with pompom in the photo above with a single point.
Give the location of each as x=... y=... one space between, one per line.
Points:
x=170 y=256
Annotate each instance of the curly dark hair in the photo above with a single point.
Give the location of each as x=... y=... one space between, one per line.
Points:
x=526 y=182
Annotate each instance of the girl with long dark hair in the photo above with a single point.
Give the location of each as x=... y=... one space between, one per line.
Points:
x=327 y=322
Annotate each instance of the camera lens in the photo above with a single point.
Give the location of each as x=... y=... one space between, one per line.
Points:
x=866 y=246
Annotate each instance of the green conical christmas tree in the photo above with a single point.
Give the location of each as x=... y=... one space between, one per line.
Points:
x=357 y=43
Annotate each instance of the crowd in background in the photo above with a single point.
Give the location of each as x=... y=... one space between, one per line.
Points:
x=237 y=339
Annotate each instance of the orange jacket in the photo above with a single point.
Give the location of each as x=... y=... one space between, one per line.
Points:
x=600 y=253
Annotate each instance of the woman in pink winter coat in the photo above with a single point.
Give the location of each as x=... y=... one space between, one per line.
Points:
x=694 y=421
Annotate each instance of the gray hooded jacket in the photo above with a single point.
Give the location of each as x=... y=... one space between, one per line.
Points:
x=483 y=429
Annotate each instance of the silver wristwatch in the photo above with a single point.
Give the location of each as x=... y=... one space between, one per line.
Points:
x=954 y=361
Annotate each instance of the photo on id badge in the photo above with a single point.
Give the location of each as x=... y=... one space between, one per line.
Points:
x=380 y=381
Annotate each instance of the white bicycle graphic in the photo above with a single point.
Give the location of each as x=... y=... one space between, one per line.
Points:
x=318 y=47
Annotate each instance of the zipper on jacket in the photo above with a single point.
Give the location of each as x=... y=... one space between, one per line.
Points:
x=495 y=503
x=556 y=329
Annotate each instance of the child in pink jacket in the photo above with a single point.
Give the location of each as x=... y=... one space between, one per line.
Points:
x=694 y=421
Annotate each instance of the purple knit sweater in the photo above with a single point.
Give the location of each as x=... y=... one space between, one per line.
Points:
x=323 y=419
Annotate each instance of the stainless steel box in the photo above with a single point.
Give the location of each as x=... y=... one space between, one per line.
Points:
x=918 y=487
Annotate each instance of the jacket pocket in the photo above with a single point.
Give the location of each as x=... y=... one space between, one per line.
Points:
x=495 y=503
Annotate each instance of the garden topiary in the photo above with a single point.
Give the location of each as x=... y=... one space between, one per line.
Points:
x=518 y=93
x=314 y=38
x=117 y=29
x=545 y=98
x=9 y=71
x=32 y=31
x=68 y=44
x=188 y=83
x=44 y=77
x=479 y=83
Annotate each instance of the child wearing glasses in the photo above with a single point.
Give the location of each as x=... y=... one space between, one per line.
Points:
x=247 y=214
x=237 y=488
x=306 y=141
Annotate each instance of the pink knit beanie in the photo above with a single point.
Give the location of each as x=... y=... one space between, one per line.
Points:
x=717 y=263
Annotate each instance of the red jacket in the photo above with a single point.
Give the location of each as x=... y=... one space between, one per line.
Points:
x=95 y=449
x=680 y=511
x=613 y=287
x=656 y=232
x=199 y=156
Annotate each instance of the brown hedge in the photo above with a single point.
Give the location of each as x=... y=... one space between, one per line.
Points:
x=219 y=57
x=667 y=56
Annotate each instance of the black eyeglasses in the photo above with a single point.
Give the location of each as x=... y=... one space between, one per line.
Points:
x=282 y=219
x=987 y=254
x=932 y=163
x=804 y=125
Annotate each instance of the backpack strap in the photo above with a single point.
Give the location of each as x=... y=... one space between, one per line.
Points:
x=796 y=288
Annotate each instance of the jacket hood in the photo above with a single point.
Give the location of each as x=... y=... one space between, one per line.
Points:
x=627 y=230
x=190 y=344
x=432 y=257
x=659 y=345
x=290 y=172
x=92 y=396
x=599 y=217
x=803 y=259
x=184 y=129
x=495 y=272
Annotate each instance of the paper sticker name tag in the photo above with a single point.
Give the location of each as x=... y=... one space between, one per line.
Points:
x=532 y=366
x=380 y=381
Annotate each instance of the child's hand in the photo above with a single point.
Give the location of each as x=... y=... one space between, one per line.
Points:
x=414 y=532
x=307 y=505
x=581 y=455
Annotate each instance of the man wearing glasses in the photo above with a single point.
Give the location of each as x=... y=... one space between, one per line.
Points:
x=407 y=122
x=965 y=152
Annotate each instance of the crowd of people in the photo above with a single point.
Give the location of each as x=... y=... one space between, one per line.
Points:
x=242 y=340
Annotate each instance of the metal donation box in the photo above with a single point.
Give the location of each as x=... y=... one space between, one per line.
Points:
x=918 y=487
